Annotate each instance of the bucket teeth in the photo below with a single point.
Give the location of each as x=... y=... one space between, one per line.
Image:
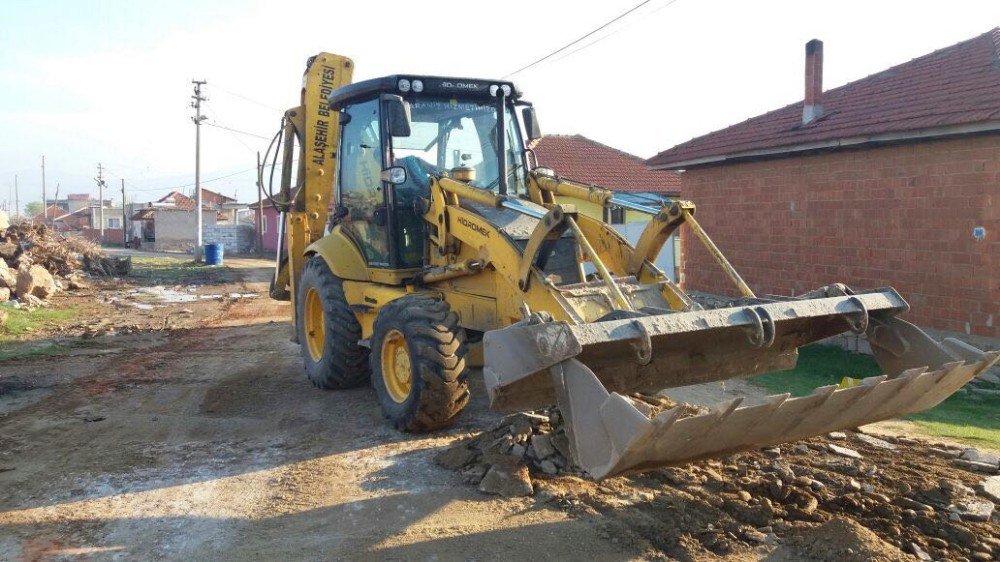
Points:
x=614 y=437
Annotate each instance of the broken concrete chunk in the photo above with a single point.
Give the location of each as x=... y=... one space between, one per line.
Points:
x=837 y=435
x=454 y=458
x=548 y=467
x=975 y=466
x=35 y=280
x=991 y=488
x=506 y=481
x=8 y=277
x=874 y=441
x=542 y=444
x=973 y=509
x=843 y=451
x=4 y=294
x=975 y=455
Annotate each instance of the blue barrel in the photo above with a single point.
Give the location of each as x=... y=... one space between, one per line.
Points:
x=213 y=254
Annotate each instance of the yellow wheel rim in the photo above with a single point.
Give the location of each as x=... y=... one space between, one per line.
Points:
x=315 y=324
x=396 y=369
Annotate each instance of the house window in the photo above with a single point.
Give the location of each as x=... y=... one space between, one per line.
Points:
x=263 y=224
x=114 y=223
x=617 y=215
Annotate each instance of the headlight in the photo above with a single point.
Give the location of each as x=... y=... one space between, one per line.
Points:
x=418 y=86
x=506 y=90
x=404 y=85
x=493 y=90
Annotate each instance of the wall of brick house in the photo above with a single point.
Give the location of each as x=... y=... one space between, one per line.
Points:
x=175 y=229
x=900 y=216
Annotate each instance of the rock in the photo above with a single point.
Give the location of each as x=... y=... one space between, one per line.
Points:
x=517 y=451
x=975 y=466
x=474 y=474
x=773 y=452
x=974 y=509
x=548 y=467
x=783 y=471
x=837 y=435
x=915 y=550
x=75 y=282
x=843 y=451
x=542 y=444
x=854 y=485
x=874 y=441
x=561 y=444
x=802 y=449
x=8 y=277
x=744 y=495
x=4 y=294
x=954 y=489
x=975 y=455
x=35 y=280
x=509 y=482
x=455 y=457
x=909 y=503
x=990 y=487
x=754 y=536
x=4 y=220
x=947 y=453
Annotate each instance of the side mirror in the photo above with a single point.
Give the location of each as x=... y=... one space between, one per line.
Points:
x=531 y=123
x=397 y=115
x=394 y=175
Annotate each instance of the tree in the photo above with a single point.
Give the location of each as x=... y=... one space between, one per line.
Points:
x=33 y=208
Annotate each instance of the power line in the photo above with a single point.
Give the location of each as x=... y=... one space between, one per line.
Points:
x=244 y=98
x=192 y=184
x=614 y=31
x=218 y=125
x=581 y=38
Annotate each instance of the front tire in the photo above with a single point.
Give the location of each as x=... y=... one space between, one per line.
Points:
x=418 y=363
x=328 y=331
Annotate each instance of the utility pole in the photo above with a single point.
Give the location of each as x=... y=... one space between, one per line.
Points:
x=17 y=199
x=197 y=119
x=124 y=216
x=100 y=190
x=45 y=203
x=260 y=209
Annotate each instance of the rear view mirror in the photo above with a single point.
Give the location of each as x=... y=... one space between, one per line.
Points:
x=394 y=175
x=397 y=115
x=531 y=127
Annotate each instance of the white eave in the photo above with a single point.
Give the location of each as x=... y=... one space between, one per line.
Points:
x=916 y=134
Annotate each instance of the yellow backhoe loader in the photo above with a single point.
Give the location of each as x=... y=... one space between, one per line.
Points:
x=418 y=238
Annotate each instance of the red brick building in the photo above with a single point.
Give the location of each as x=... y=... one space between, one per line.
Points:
x=891 y=180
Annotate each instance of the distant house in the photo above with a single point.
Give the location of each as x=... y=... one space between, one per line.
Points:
x=268 y=225
x=889 y=180
x=169 y=223
x=589 y=162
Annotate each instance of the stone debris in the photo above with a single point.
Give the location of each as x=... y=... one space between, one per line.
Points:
x=976 y=466
x=975 y=455
x=843 y=451
x=991 y=488
x=887 y=503
x=36 y=262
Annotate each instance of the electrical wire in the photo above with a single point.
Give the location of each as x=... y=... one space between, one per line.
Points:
x=244 y=98
x=218 y=125
x=613 y=32
x=581 y=38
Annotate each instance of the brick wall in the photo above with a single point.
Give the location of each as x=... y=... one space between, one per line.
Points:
x=900 y=216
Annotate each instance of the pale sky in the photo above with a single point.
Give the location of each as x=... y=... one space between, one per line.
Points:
x=84 y=82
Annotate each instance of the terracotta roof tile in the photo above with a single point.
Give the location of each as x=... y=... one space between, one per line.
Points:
x=956 y=85
x=579 y=158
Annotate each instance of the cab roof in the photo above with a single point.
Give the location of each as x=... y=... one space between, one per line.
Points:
x=432 y=85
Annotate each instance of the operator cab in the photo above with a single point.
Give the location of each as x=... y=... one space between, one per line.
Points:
x=399 y=131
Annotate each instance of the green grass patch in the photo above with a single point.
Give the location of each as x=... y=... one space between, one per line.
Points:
x=162 y=270
x=46 y=350
x=21 y=321
x=965 y=416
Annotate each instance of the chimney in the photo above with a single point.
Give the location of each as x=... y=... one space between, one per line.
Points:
x=813 y=107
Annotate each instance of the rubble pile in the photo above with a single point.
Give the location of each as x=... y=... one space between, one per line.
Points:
x=846 y=496
x=36 y=262
x=502 y=460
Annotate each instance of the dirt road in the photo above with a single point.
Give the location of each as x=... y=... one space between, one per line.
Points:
x=195 y=435
x=208 y=442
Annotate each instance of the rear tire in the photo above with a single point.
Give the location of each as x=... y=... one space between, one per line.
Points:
x=419 y=336
x=328 y=331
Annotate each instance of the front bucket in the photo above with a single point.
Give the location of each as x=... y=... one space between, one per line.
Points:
x=651 y=353
x=608 y=435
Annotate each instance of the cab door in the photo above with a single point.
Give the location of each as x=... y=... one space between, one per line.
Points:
x=362 y=193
